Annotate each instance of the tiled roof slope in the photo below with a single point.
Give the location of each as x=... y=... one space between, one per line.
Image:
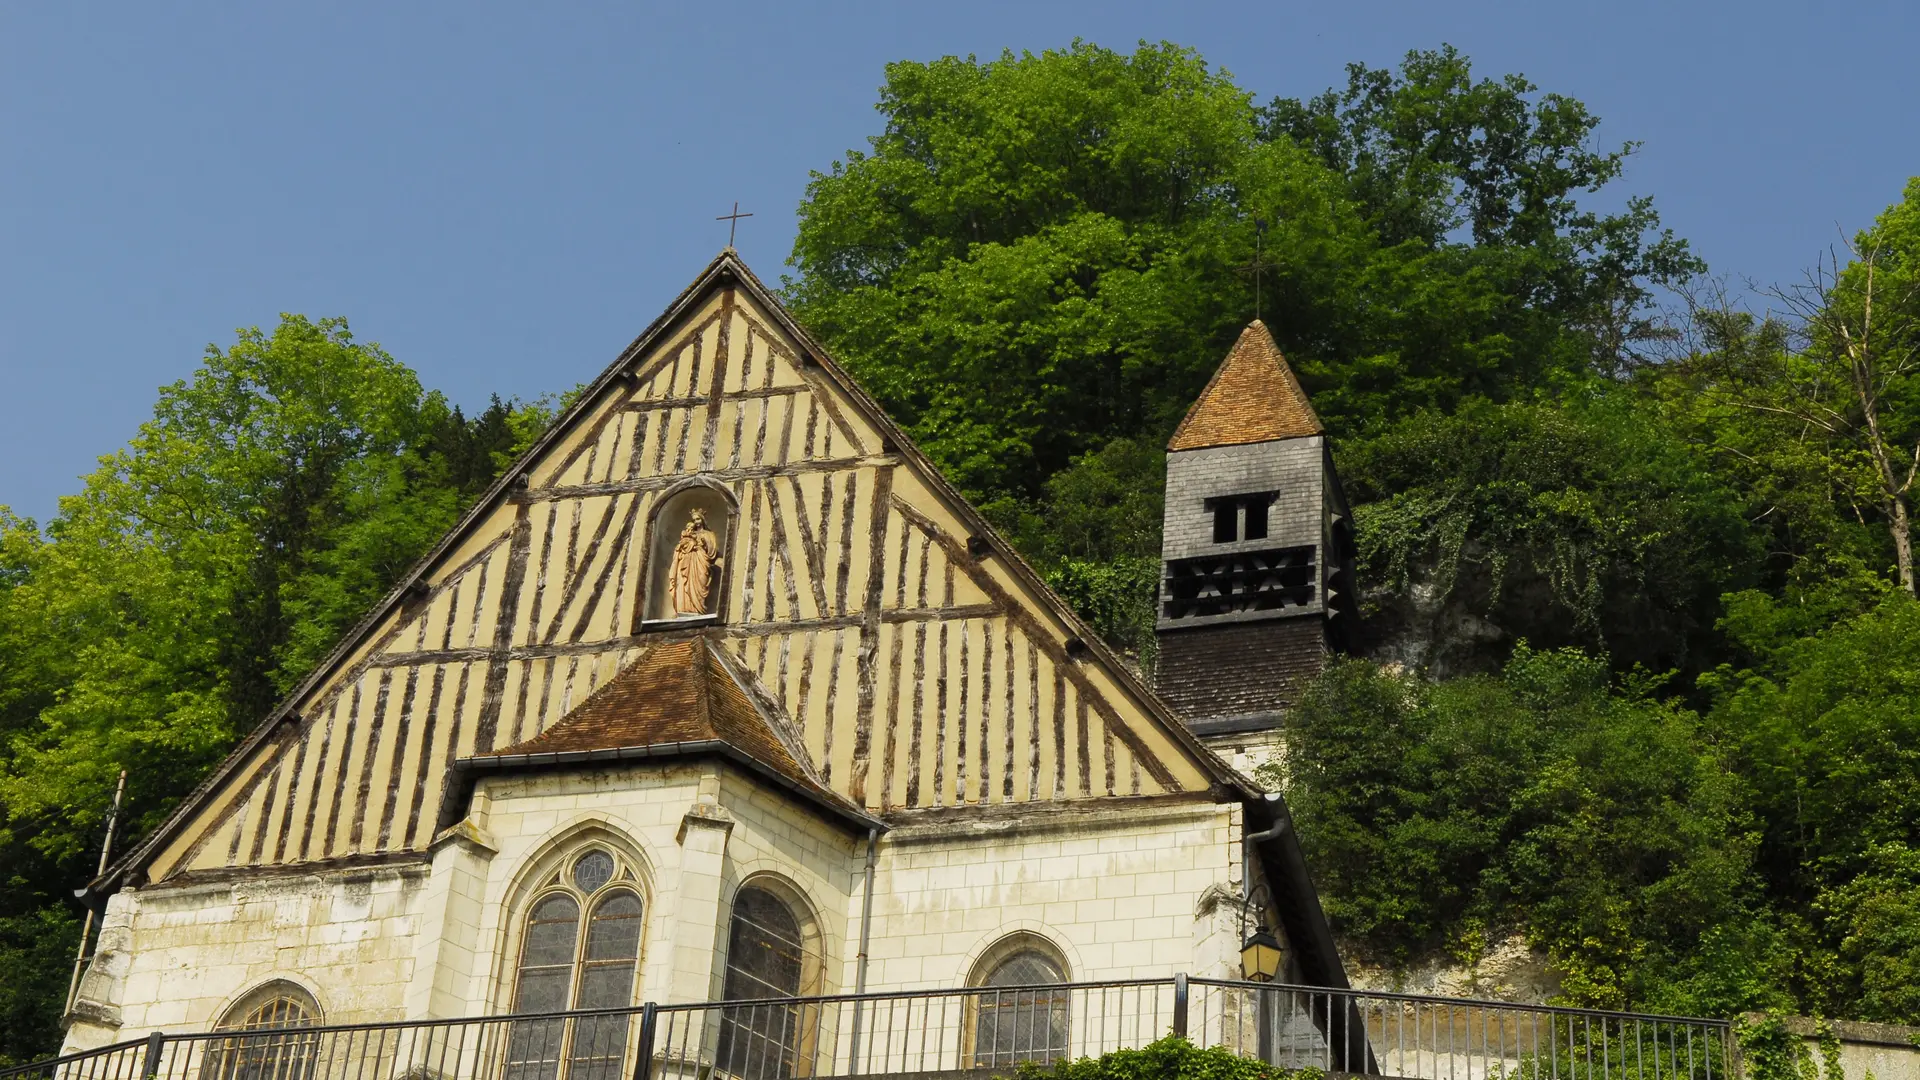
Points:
x=678 y=692
x=1253 y=397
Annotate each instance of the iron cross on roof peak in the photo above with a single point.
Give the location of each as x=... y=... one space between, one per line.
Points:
x=732 y=220
x=1258 y=264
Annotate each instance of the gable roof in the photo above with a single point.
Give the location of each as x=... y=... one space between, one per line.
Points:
x=680 y=699
x=1252 y=397
x=725 y=270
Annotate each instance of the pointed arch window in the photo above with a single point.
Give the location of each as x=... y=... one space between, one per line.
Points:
x=770 y=954
x=579 y=949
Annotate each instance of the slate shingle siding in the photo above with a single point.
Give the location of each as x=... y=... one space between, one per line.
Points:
x=1237 y=669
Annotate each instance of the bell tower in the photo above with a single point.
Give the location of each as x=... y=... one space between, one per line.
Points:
x=1256 y=577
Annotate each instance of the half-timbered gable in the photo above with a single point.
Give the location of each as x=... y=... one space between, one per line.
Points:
x=915 y=661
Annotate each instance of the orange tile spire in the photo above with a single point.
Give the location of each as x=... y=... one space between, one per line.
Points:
x=1253 y=397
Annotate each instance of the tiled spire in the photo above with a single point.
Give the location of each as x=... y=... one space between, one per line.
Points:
x=1253 y=397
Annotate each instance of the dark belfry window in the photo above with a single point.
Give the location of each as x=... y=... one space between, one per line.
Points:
x=1256 y=511
x=1239 y=581
x=765 y=959
x=1226 y=526
x=1240 y=517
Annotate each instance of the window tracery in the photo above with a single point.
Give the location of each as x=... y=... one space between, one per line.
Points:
x=579 y=949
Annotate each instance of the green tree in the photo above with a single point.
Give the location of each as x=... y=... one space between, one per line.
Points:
x=1430 y=154
x=1836 y=375
x=1038 y=255
x=1825 y=734
x=1583 y=523
x=269 y=502
x=1596 y=820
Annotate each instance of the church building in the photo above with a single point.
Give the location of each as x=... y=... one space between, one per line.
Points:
x=722 y=692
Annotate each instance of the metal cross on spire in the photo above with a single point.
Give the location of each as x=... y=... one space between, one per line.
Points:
x=1258 y=264
x=732 y=220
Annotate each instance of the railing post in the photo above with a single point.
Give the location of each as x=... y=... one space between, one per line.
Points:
x=150 y=1063
x=1180 y=1004
x=649 y=1026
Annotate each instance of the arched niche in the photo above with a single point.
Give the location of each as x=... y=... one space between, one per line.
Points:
x=689 y=527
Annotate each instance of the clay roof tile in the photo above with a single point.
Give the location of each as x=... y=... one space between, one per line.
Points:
x=677 y=692
x=1253 y=397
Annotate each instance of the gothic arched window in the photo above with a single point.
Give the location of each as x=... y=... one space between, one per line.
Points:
x=579 y=949
x=769 y=955
x=1017 y=1018
x=272 y=1052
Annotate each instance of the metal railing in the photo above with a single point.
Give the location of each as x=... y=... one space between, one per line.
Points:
x=1436 y=1038
x=978 y=1030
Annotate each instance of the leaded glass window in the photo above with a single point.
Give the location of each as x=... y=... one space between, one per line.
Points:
x=579 y=949
x=1018 y=1018
x=767 y=957
x=275 y=1049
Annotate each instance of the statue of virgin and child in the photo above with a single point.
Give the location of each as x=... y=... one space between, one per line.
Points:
x=696 y=556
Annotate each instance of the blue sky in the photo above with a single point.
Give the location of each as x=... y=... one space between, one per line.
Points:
x=503 y=195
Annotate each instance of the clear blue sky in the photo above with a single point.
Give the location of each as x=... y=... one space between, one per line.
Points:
x=503 y=195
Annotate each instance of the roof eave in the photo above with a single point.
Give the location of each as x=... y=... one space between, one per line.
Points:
x=464 y=771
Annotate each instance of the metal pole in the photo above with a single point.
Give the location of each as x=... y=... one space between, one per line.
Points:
x=649 y=1026
x=150 y=1064
x=86 y=928
x=1180 y=1004
x=860 y=962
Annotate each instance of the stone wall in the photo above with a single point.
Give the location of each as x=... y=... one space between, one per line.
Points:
x=1880 y=1051
x=174 y=958
x=1126 y=888
x=1124 y=893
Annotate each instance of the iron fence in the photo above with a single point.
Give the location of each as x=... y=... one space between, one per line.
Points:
x=1436 y=1038
x=979 y=1031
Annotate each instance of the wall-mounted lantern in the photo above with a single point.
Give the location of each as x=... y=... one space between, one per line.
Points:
x=1260 y=954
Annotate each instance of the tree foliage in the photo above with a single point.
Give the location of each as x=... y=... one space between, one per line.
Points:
x=203 y=571
x=1170 y=1058
x=1039 y=252
x=1582 y=522
x=1597 y=822
x=1041 y=256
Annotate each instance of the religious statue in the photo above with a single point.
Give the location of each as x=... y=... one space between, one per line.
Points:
x=690 y=580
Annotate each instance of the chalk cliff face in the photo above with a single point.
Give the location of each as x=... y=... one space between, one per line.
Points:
x=1507 y=971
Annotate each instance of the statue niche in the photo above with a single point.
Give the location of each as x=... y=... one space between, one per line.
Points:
x=686 y=557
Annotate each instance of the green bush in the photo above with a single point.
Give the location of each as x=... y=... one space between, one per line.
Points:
x=1172 y=1058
